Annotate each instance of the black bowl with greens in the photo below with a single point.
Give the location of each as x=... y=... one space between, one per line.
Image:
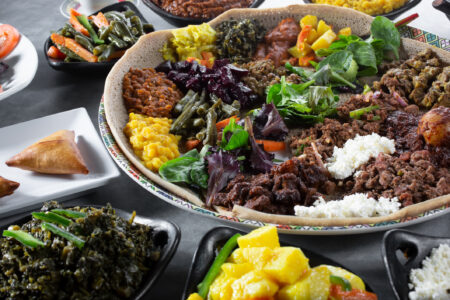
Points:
x=84 y=253
x=104 y=66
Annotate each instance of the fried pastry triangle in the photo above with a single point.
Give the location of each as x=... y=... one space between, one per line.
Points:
x=55 y=154
x=7 y=187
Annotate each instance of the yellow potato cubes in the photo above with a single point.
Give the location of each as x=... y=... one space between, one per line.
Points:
x=262 y=237
x=319 y=283
x=324 y=41
x=287 y=265
x=257 y=256
x=236 y=270
x=254 y=284
x=195 y=296
x=296 y=291
x=221 y=288
x=354 y=280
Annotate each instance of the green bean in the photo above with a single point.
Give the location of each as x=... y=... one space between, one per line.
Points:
x=85 y=22
x=23 y=237
x=115 y=16
x=116 y=41
x=229 y=110
x=52 y=218
x=68 y=31
x=136 y=23
x=199 y=122
x=129 y=13
x=134 y=31
x=201 y=134
x=84 y=42
x=104 y=32
x=211 y=129
x=69 y=213
x=185 y=115
x=106 y=53
x=122 y=30
x=99 y=49
x=215 y=268
x=63 y=233
x=69 y=53
x=178 y=109
x=202 y=109
x=148 y=28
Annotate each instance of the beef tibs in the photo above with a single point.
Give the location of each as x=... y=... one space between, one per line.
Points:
x=421 y=80
x=412 y=177
x=291 y=183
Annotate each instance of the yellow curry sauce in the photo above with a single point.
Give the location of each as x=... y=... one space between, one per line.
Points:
x=370 y=7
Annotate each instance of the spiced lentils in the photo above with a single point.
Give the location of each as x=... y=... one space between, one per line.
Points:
x=148 y=92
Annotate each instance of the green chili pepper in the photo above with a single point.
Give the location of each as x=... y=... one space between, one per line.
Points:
x=52 y=218
x=343 y=282
x=23 y=237
x=85 y=22
x=69 y=213
x=63 y=233
x=229 y=246
x=357 y=113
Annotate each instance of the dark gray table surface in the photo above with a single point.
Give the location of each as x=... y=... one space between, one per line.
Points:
x=52 y=92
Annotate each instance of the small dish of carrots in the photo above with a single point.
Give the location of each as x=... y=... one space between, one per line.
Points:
x=99 y=38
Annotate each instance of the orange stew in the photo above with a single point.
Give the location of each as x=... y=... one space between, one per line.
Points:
x=200 y=9
x=277 y=42
x=148 y=92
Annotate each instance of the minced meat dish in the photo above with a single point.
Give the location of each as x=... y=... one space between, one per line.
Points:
x=148 y=92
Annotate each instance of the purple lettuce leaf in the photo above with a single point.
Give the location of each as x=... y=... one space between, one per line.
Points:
x=268 y=124
x=222 y=167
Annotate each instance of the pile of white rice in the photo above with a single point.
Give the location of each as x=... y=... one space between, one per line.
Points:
x=432 y=281
x=356 y=205
x=357 y=152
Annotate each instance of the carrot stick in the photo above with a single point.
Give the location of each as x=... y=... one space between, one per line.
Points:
x=304 y=34
x=222 y=124
x=272 y=146
x=57 y=39
x=71 y=44
x=73 y=12
x=77 y=25
x=100 y=20
x=191 y=144
x=54 y=52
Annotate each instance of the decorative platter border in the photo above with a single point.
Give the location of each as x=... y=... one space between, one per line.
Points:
x=123 y=162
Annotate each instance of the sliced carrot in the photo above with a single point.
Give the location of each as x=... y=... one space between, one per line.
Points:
x=77 y=25
x=304 y=34
x=73 y=12
x=222 y=124
x=304 y=61
x=100 y=20
x=57 y=39
x=191 y=144
x=54 y=52
x=272 y=146
x=71 y=44
x=9 y=38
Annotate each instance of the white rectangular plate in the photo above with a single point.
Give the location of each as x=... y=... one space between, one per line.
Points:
x=36 y=188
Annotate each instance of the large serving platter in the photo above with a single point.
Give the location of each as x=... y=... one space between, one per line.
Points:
x=113 y=117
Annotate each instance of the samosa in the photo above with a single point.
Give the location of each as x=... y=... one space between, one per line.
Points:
x=55 y=154
x=7 y=187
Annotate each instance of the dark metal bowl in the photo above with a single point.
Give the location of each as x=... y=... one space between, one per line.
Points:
x=84 y=67
x=393 y=14
x=165 y=235
x=215 y=238
x=184 y=21
x=397 y=243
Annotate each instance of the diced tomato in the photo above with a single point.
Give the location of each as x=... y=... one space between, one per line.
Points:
x=9 y=38
x=338 y=294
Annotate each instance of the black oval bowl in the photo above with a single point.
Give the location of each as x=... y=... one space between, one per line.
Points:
x=393 y=14
x=216 y=237
x=165 y=234
x=184 y=21
x=97 y=67
x=416 y=246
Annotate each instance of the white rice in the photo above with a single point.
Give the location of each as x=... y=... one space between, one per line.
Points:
x=356 y=205
x=357 y=152
x=432 y=281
